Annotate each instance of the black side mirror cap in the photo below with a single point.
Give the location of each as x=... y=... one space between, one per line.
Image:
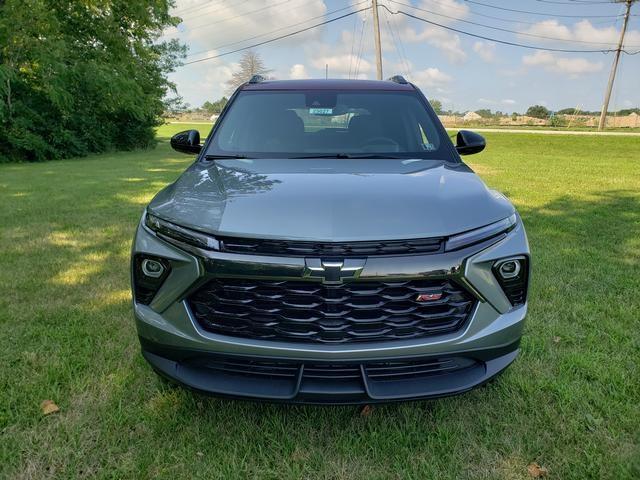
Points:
x=187 y=142
x=468 y=143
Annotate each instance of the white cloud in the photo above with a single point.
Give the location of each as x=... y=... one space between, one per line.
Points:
x=508 y=101
x=450 y=8
x=449 y=43
x=485 y=50
x=566 y=65
x=431 y=77
x=582 y=31
x=218 y=24
x=203 y=81
x=342 y=64
x=298 y=71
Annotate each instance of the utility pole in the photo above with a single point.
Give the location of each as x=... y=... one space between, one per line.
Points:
x=376 y=36
x=614 y=68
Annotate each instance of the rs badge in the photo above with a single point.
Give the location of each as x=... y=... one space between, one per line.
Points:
x=428 y=297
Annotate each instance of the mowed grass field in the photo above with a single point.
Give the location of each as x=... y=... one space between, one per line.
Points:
x=570 y=403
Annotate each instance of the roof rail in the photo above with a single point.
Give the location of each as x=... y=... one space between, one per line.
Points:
x=257 y=79
x=398 y=79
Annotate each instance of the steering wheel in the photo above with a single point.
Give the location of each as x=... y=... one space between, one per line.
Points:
x=375 y=141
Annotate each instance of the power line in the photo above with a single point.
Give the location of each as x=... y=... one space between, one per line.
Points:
x=525 y=22
x=504 y=42
x=353 y=43
x=360 y=47
x=240 y=15
x=201 y=10
x=570 y=2
x=539 y=13
x=399 y=51
x=506 y=29
x=278 y=38
x=198 y=6
x=193 y=54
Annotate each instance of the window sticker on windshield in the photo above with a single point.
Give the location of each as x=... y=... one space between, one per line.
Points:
x=429 y=147
x=320 y=111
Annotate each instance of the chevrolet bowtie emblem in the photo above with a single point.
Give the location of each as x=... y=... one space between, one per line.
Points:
x=334 y=271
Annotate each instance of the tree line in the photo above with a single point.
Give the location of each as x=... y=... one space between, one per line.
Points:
x=82 y=77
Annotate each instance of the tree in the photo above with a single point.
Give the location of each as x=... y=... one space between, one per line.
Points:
x=81 y=77
x=215 y=107
x=436 y=105
x=567 y=111
x=484 y=113
x=175 y=105
x=538 y=111
x=250 y=64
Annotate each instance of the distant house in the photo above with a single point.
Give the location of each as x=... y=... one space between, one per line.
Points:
x=471 y=117
x=214 y=117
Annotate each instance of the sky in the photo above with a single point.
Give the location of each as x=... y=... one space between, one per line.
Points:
x=462 y=71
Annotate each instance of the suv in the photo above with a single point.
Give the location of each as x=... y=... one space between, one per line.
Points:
x=328 y=245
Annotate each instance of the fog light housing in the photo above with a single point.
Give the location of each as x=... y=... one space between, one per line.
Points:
x=509 y=269
x=152 y=268
x=513 y=276
x=149 y=273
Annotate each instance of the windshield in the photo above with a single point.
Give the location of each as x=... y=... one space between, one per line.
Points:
x=328 y=123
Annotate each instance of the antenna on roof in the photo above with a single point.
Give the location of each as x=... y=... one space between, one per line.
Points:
x=398 y=79
x=326 y=71
x=257 y=79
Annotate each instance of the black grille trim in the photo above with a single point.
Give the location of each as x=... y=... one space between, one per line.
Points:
x=303 y=311
x=292 y=248
x=330 y=371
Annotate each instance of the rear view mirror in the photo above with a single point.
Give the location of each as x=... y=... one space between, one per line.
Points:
x=468 y=143
x=186 y=142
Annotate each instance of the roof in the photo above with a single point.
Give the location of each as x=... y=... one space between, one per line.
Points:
x=471 y=116
x=330 y=84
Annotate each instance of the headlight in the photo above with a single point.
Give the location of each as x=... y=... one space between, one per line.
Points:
x=481 y=234
x=170 y=231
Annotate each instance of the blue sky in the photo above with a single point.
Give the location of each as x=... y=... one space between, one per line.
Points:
x=464 y=72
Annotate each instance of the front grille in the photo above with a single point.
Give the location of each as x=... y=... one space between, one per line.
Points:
x=361 y=311
x=288 y=248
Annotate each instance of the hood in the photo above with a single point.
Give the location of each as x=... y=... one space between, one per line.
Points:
x=330 y=199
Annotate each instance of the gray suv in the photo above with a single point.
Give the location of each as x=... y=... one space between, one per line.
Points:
x=328 y=245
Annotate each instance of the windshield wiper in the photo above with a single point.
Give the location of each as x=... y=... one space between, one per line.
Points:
x=348 y=155
x=221 y=157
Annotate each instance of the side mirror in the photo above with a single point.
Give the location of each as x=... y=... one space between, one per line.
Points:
x=468 y=143
x=186 y=142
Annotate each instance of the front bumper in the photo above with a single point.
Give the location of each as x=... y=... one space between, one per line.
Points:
x=178 y=348
x=335 y=383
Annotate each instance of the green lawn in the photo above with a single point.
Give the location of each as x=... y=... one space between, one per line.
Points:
x=571 y=402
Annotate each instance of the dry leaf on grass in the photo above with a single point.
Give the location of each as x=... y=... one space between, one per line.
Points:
x=556 y=339
x=366 y=411
x=536 y=471
x=48 y=407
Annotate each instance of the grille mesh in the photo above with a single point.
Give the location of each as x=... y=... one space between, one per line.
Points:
x=381 y=370
x=314 y=312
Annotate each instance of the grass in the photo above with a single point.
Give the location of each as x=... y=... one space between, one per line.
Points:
x=571 y=402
